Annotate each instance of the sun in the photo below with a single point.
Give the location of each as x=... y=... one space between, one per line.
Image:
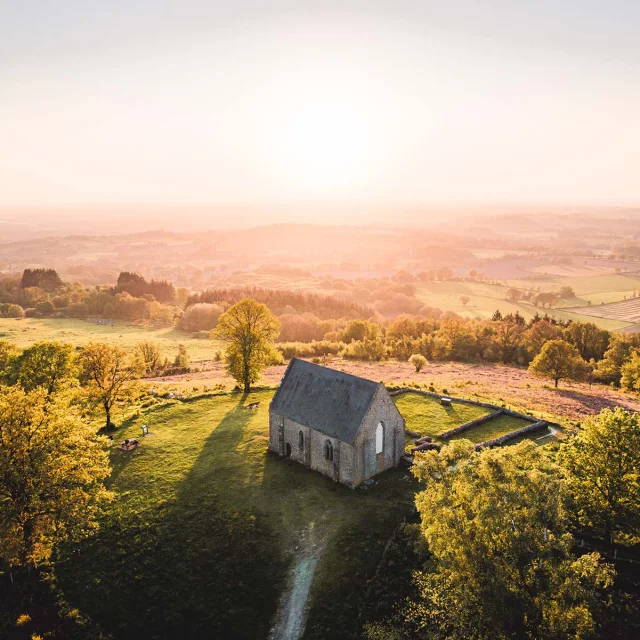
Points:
x=323 y=148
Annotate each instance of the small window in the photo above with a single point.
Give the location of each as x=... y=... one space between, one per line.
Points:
x=379 y=438
x=328 y=451
x=301 y=441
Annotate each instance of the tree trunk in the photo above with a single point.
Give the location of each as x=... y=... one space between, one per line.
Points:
x=247 y=386
x=557 y=382
x=108 y=412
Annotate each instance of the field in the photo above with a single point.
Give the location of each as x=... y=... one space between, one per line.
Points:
x=207 y=531
x=485 y=298
x=26 y=331
x=426 y=415
x=623 y=310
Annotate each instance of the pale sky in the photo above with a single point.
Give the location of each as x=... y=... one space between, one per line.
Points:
x=421 y=102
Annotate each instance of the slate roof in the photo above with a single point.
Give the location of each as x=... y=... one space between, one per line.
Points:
x=329 y=401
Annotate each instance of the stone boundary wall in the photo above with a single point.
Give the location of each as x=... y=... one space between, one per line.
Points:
x=497 y=442
x=470 y=425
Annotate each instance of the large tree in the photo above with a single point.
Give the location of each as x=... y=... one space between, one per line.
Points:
x=108 y=373
x=52 y=468
x=500 y=555
x=602 y=464
x=249 y=329
x=559 y=360
x=46 y=364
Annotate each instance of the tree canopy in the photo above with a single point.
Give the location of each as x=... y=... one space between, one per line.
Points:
x=602 y=465
x=249 y=329
x=108 y=372
x=500 y=555
x=559 y=360
x=52 y=468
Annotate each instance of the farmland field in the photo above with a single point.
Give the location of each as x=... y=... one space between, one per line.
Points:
x=485 y=298
x=206 y=526
x=623 y=310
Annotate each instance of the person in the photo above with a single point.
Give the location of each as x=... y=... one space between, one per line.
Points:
x=110 y=440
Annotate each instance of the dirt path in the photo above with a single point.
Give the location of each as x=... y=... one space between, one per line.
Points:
x=291 y=615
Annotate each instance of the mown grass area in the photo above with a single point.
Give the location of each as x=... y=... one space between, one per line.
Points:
x=26 y=331
x=205 y=526
x=426 y=415
x=494 y=428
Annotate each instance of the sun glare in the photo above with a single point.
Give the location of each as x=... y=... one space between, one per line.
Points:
x=322 y=148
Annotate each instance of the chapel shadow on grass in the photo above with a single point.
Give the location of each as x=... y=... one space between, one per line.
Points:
x=201 y=567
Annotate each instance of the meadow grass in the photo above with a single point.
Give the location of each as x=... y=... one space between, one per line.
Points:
x=26 y=331
x=206 y=524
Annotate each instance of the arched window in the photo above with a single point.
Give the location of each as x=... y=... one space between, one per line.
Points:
x=379 y=438
x=301 y=441
x=328 y=451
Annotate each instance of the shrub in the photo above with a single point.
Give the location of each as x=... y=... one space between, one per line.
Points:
x=78 y=310
x=418 y=361
x=13 y=311
x=202 y=316
x=45 y=308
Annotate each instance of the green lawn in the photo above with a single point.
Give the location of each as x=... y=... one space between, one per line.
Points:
x=494 y=428
x=205 y=526
x=26 y=331
x=426 y=416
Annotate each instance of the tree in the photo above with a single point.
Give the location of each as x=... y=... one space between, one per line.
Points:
x=44 y=278
x=8 y=356
x=559 y=360
x=150 y=354
x=509 y=338
x=500 y=561
x=52 y=468
x=602 y=463
x=108 y=372
x=418 y=361
x=465 y=300
x=513 y=295
x=46 y=364
x=630 y=373
x=182 y=359
x=590 y=340
x=538 y=334
x=609 y=369
x=249 y=329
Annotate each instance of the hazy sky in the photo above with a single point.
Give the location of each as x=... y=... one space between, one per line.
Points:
x=422 y=102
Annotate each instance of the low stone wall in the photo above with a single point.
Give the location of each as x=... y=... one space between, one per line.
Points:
x=469 y=425
x=497 y=442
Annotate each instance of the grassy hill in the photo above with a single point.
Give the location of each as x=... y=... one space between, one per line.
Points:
x=206 y=527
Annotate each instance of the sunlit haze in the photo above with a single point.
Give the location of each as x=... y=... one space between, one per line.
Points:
x=279 y=103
